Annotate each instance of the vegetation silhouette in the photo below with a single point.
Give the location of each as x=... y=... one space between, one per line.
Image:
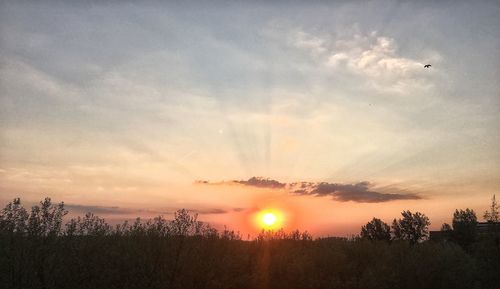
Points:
x=412 y=227
x=376 y=229
x=493 y=215
x=464 y=227
x=39 y=250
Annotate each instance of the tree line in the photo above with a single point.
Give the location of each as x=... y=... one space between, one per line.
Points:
x=413 y=227
x=39 y=250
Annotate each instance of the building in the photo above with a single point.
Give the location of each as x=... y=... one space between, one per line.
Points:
x=488 y=227
x=482 y=228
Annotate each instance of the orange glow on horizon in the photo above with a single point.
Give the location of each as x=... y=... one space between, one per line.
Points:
x=288 y=212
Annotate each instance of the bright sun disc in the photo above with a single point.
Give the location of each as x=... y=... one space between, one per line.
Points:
x=269 y=219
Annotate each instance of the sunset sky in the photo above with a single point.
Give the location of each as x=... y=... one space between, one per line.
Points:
x=321 y=111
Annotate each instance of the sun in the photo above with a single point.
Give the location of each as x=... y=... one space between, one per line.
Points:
x=270 y=219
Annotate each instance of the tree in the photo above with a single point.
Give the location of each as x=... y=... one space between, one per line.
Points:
x=376 y=229
x=14 y=218
x=493 y=215
x=46 y=219
x=446 y=227
x=412 y=227
x=184 y=224
x=89 y=225
x=464 y=226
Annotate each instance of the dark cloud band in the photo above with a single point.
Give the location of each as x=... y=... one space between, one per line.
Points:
x=358 y=192
x=127 y=211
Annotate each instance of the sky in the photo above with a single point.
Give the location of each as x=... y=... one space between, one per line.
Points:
x=322 y=111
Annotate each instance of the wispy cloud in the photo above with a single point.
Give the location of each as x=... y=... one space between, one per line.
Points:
x=310 y=42
x=107 y=210
x=113 y=210
x=257 y=182
x=361 y=192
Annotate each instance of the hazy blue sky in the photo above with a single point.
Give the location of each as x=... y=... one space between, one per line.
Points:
x=128 y=105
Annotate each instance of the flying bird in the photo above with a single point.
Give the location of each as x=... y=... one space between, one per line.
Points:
x=427 y=66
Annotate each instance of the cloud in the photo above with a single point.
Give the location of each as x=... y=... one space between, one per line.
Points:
x=99 y=209
x=252 y=182
x=262 y=183
x=113 y=210
x=358 y=192
x=310 y=42
x=209 y=211
x=371 y=56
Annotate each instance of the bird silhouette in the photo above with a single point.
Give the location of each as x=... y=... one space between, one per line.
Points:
x=427 y=66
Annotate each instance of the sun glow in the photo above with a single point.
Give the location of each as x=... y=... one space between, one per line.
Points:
x=270 y=219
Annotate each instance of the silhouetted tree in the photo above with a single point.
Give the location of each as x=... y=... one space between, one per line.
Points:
x=14 y=218
x=446 y=227
x=412 y=227
x=376 y=229
x=90 y=224
x=46 y=219
x=269 y=235
x=493 y=215
x=158 y=227
x=184 y=224
x=464 y=226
